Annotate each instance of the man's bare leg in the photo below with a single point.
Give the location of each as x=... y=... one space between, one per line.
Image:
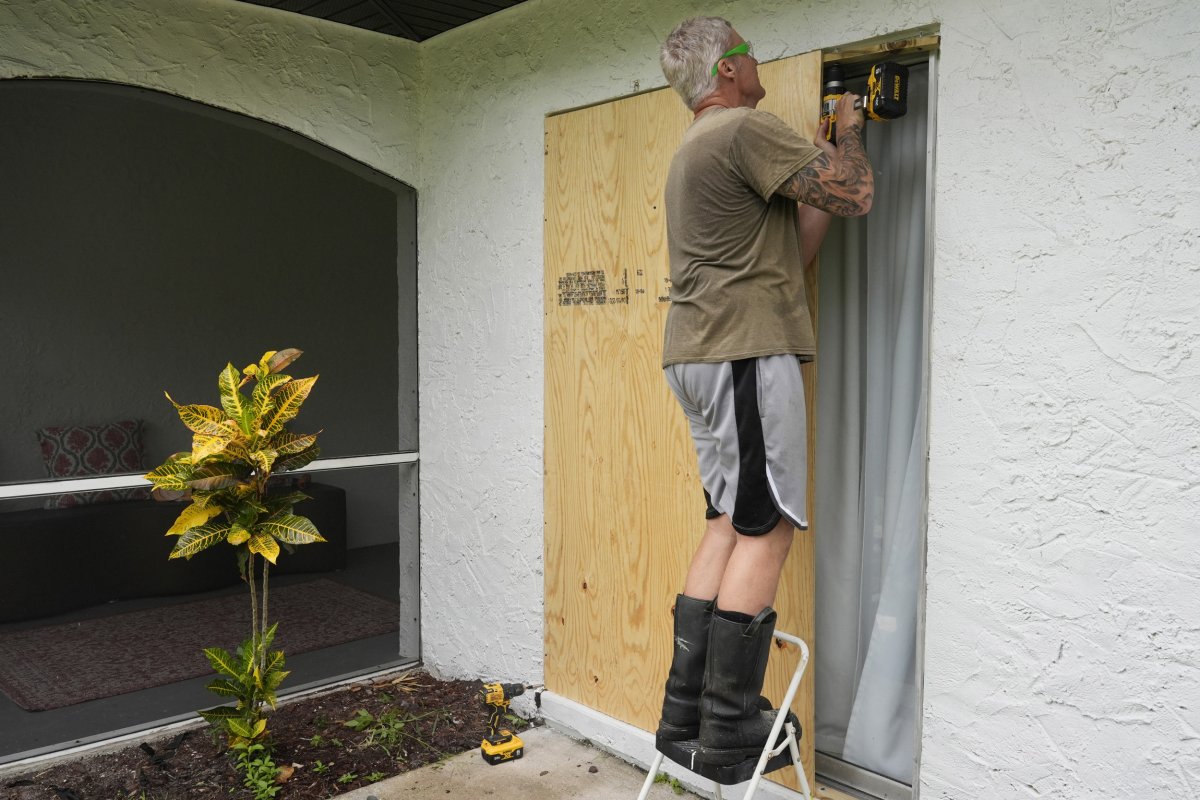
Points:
x=751 y=575
x=710 y=559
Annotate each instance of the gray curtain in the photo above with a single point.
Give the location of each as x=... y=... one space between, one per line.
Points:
x=871 y=446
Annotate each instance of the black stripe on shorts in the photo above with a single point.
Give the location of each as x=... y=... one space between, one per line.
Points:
x=754 y=511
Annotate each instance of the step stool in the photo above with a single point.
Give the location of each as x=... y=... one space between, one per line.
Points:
x=786 y=749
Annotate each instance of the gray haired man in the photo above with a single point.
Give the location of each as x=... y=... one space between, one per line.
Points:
x=748 y=202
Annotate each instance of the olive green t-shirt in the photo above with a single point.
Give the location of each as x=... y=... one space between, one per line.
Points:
x=737 y=281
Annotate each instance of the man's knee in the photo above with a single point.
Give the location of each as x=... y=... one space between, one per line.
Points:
x=778 y=540
x=720 y=525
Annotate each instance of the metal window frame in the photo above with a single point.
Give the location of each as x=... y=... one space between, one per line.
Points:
x=16 y=491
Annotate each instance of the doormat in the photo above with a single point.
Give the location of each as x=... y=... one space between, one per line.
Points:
x=61 y=665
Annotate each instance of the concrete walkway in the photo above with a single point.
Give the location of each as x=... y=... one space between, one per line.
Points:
x=554 y=767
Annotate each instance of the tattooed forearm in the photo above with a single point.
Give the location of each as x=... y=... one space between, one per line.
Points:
x=842 y=184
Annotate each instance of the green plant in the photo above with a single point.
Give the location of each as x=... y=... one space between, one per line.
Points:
x=375 y=777
x=387 y=730
x=235 y=450
x=316 y=740
x=347 y=777
x=320 y=768
x=674 y=783
x=258 y=769
x=248 y=680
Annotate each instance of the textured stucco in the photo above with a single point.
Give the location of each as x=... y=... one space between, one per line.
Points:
x=352 y=90
x=1063 y=586
x=1063 y=597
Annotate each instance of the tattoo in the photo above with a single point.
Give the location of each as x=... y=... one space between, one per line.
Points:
x=842 y=185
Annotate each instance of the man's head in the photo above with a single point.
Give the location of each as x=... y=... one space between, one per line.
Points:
x=697 y=61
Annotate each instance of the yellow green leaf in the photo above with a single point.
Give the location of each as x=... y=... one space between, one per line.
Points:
x=261 y=398
x=204 y=446
x=287 y=403
x=214 y=475
x=192 y=516
x=301 y=459
x=204 y=499
x=223 y=687
x=298 y=461
x=259 y=728
x=237 y=450
x=232 y=400
x=287 y=444
x=172 y=475
x=291 y=529
x=222 y=662
x=240 y=729
x=200 y=538
x=200 y=418
x=238 y=535
x=275 y=678
x=263 y=459
x=264 y=363
x=264 y=545
x=268 y=636
x=220 y=713
x=274 y=661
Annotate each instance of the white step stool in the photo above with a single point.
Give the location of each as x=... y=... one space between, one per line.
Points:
x=772 y=758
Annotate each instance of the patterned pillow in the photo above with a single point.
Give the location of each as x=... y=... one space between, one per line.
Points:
x=81 y=450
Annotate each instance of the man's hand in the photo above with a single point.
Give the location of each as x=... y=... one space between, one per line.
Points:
x=822 y=140
x=839 y=180
x=847 y=115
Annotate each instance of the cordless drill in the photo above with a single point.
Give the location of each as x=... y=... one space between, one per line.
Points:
x=500 y=744
x=887 y=94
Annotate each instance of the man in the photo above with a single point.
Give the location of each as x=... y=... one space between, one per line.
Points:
x=736 y=333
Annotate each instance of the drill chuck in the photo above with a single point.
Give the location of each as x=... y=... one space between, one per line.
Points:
x=498 y=694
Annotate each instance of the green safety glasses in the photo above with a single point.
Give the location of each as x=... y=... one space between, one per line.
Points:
x=743 y=49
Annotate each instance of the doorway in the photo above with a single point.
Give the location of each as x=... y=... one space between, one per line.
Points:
x=871 y=446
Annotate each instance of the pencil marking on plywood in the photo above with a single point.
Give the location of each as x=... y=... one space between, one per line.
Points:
x=590 y=288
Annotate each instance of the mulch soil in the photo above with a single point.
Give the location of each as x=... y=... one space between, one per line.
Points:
x=414 y=720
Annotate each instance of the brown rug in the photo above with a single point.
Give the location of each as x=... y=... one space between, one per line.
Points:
x=61 y=665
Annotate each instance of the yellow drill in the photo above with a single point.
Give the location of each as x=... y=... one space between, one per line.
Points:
x=500 y=744
x=886 y=98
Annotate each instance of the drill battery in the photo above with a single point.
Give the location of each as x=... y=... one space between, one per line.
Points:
x=887 y=91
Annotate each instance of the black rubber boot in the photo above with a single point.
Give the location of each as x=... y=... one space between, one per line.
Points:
x=681 y=703
x=733 y=724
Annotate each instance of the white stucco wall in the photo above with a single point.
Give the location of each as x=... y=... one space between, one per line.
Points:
x=353 y=90
x=1064 y=592
x=1064 y=457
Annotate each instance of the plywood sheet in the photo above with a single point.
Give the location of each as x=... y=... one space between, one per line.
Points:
x=624 y=508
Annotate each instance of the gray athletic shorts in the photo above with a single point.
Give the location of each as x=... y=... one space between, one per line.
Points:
x=748 y=422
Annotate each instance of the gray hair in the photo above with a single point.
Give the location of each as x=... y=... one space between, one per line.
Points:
x=688 y=55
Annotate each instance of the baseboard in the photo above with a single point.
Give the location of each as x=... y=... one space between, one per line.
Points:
x=637 y=747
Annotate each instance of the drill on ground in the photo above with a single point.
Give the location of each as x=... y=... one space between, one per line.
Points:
x=886 y=98
x=500 y=744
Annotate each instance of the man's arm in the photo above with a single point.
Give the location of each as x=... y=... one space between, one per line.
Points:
x=839 y=180
x=814 y=224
